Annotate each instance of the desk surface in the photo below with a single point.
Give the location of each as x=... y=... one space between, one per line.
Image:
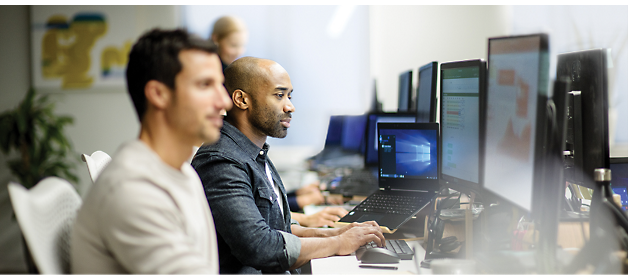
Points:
x=350 y=264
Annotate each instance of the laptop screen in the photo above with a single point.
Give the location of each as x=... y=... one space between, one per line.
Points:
x=408 y=156
x=370 y=153
x=619 y=179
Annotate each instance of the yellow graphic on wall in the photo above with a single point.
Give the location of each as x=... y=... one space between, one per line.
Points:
x=113 y=60
x=67 y=46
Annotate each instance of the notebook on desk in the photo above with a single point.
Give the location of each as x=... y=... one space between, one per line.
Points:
x=407 y=178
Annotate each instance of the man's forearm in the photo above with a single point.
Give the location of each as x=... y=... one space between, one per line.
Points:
x=313 y=248
x=301 y=231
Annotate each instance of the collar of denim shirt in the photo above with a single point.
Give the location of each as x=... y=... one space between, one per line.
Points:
x=244 y=142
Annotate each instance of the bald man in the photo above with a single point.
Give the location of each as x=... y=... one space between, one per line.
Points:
x=245 y=193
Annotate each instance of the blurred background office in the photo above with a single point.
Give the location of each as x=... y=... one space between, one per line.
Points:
x=333 y=54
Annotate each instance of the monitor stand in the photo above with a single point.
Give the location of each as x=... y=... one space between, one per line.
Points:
x=606 y=216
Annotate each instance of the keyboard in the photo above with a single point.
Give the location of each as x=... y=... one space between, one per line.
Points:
x=398 y=246
x=391 y=204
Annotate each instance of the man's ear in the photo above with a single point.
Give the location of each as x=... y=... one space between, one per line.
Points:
x=214 y=37
x=241 y=99
x=157 y=94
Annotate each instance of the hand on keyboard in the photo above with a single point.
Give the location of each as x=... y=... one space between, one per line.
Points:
x=357 y=234
x=400 y=247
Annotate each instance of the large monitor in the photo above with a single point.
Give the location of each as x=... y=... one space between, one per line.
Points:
x=587 y=138
x=371 y=141
x=514 y=125
x=405 y=91
x=463 y=85
x=425 y=101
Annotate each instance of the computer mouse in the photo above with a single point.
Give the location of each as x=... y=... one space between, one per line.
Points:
x=379 y=255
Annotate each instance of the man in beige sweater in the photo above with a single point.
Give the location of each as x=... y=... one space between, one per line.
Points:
x=147 y=211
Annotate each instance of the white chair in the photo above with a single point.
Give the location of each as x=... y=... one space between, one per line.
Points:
x=96 y=163
x=194 y=150
x=46 y=214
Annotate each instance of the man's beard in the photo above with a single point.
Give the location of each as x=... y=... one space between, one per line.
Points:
x=270 y=124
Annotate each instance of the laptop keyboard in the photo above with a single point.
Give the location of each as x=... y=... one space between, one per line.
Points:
x=398 y=246
x=391 y=204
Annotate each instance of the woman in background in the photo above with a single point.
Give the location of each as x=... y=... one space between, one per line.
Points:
x=230 y=35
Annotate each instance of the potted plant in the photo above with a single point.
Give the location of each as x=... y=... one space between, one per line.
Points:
x=35 y=133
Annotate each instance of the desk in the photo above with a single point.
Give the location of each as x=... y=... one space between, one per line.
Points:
x=350 y=264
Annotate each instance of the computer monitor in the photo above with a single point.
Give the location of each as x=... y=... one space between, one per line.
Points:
x=375 y=106
x=370 y=153
x=619 y=179
x=587 y=138
x=353 y=134
x=425 y=101
x=514 y=125
x=405 y=91
x=334 y=131
x=463 y=85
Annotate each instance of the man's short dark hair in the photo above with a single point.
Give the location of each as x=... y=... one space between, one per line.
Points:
x=244 y=74
x=155 y=56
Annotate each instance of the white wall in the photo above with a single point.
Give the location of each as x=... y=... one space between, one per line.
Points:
x=329 y=74
x=406 y=37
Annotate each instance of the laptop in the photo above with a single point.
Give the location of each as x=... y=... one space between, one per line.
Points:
x=407 y=178
x=619 y=179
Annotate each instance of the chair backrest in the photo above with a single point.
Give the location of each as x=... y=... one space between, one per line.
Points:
x=46 y=214
x=96 y=163
x=194 y=149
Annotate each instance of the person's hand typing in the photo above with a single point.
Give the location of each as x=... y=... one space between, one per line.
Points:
x=358 y=234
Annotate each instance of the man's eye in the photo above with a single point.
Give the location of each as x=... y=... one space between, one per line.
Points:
x=280 y=95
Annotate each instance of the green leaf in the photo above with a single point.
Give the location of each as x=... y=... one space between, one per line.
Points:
x=47 y=150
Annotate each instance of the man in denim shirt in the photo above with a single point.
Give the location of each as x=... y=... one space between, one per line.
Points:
x=245 y=193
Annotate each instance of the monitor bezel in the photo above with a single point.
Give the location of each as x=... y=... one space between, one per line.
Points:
x=449 y=181
x=433 y=66
x=429 y=185
x=618 y=160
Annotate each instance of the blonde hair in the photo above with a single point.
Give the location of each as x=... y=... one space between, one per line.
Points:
x=226 y=25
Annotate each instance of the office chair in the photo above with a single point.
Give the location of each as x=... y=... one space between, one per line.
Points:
x=45 y=214
x=96 y=163
x=194 y=150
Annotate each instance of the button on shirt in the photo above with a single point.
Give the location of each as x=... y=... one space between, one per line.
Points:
x=253 y=228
